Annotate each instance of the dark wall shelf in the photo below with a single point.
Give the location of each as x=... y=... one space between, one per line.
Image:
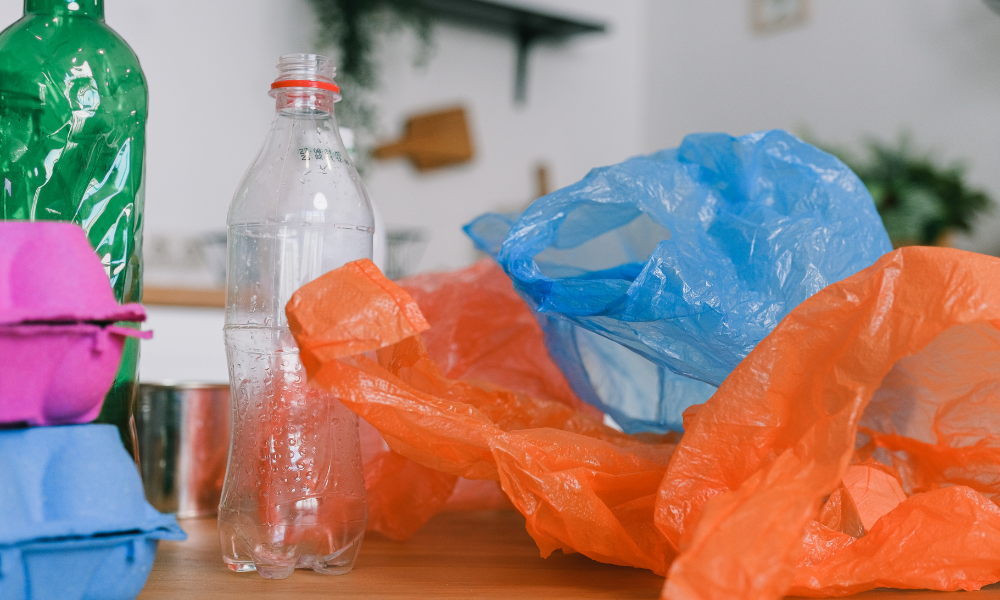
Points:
x=526 y=25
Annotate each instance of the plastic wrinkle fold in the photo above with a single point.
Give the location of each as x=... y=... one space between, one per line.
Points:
x=655 y=277
x=481 y=332
x=856 y=446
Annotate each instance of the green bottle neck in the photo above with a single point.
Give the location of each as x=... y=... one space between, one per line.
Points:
x=75 y=8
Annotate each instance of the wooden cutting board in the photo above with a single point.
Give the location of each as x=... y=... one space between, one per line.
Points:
x=432 y=140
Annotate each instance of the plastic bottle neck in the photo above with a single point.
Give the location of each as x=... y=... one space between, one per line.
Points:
x=74 y=8
x=304 y=102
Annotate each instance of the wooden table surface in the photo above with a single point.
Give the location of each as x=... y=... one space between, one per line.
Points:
x=198 y=297
x=456 y=555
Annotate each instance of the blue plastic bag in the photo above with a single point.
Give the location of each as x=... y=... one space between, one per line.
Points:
x=655 y=277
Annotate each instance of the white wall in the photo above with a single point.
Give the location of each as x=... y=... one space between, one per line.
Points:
x=209 y=66
x=931 y=67
x=187 y=345
x=583 y=110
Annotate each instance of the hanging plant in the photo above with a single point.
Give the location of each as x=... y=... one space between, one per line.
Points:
x=354 y=28
x=920 y=201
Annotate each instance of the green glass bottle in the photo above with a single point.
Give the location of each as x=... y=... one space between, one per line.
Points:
x=72 y=137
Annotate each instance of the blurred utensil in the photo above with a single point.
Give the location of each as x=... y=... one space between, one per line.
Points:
x=183 y=431
x=213 y=254
x=406 y=246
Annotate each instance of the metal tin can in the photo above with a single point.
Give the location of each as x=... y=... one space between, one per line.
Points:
x=183 y=431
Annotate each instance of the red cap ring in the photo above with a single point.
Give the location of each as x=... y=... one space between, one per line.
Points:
x=306 y=83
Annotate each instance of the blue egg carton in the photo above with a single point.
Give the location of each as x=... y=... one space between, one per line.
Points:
x=74 y=522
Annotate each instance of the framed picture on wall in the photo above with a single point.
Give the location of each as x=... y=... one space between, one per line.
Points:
x=770 y=16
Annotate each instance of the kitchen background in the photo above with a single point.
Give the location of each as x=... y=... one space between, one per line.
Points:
x=845 y=70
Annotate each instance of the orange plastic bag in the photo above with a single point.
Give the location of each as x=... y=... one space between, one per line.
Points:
x=857 y=446
x=581 y=485
x=908 y=350
x=482 y=332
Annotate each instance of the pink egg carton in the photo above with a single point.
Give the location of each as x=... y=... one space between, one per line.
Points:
x=59 y=349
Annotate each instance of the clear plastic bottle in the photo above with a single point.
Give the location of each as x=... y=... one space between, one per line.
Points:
x=294 y=495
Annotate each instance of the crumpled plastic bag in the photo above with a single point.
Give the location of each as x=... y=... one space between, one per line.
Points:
x=857 y=446
x=581 y=485
x=661 y=273
x=481 y=332
x=884 y=386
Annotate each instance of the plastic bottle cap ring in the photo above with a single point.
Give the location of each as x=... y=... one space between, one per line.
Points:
x=307 y=83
